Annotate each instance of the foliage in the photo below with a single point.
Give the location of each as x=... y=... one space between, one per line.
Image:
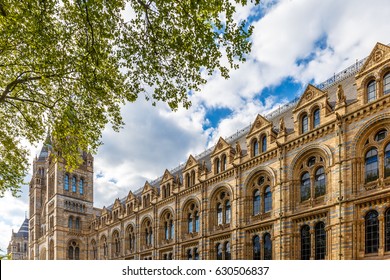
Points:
x=70 y=65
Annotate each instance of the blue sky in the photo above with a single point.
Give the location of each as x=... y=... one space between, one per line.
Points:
x=295 y=42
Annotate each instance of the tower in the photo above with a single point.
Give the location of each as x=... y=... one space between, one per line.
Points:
x=61 y=206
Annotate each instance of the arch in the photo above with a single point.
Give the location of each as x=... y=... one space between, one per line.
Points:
x=257 y=170
x=367 y=129
x=322 y=149
x=219 y=187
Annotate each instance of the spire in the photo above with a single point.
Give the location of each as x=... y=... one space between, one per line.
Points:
x=47 y=145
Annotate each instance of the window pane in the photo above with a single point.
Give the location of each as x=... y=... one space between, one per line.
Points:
x=196 y=254
x=264 y=144
x=219 y=214
x=320 y=241
x=387 y=230
x=267 y=247
x=305 y=186
x=256 y=247
x=305 y=243
x=228 y=255
x=196 y=221
x=189 y=254
x=387 y=161
x=255 y=148
x=372 y=232
x=66 y=182
x=380 y=135
x=227 y=212
x=305 y=124
x=320 y=182
x=256 y=202
x=316 y=118
x=371 y=165
x=386 y=84
x=371 y=95
x=219 y=251
x=73 y=184
x=267 y=199
x=189 y=222
x=81 y=186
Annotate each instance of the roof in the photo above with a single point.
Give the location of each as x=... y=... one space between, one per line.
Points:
x=23 y=230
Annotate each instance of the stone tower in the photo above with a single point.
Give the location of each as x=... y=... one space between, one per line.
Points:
x=61 y=206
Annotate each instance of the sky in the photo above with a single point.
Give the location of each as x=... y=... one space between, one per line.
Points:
x=295 y=42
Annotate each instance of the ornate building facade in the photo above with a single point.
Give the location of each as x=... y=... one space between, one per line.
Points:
x=18 y=246
x=310 y=181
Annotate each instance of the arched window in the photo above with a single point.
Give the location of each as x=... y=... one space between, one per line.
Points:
x=305 y=186
x=316 y=118
x=228 y=255
x=320 y=241
x=267 y=199
x=93 y=250
x=320 y=182
x=387 y=161
x=147 y=229
x=386 y=84
x=224 y=163
x=371 y=165
x=255 y=147
x=74 y=184
x=188 y=180
x=219 y=251
x=131 y=239
x=380 y=135
x=164 y=192
x=196 y=254
x=267 y=246
x=103 y=242
x=189 y=254
x=227 y=212
x=223 y=208
x=189 y=222
x=116 y=244
x=168 y=190
x=264 y=144
x=387 y=230
x=196 y=221
x=81 y=186
x=219 y=214
x=371 y=91
x=77 y=223
x=192 y=178
x=305 y=243
x=70 y=222
x=217 y=166
x=256 y=247
x=304 y=124
x=372 y=232
x=73 y=251
x=169 y=230
x=66 y=182
x=256 y=202
x=193 y=218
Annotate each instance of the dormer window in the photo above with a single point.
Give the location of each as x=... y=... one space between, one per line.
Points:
x=255 y=147
x=264 y=144
x=304 y=124
x=371 y=91
x=386 y=84
x=316 y=118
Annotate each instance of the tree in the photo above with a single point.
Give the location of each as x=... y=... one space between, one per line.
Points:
x=69 y=66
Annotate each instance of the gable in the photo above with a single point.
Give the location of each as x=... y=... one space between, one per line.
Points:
x=259 y=124
x=191 y=162
x=379 y=54
x=166 y=177
x=310 y=95
x=220 y=146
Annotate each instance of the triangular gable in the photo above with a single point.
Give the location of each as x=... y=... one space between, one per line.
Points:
x=147 y=187
x=379 y=53
x=104 y=211
x=311 y=93
x=166 y=177
x=221 y=145
x=130 y=196
x=259 y=123
x=191 y=162
x=117 y=203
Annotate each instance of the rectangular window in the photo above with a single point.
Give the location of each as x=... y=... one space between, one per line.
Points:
x=73 y=184
x=81 y=186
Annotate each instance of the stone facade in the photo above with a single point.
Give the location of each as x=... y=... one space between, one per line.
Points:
x=18 y=246
x=311 y=181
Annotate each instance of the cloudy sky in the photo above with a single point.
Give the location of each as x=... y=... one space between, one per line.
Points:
x=295 y=42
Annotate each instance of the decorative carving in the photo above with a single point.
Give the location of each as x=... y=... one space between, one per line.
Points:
x=282 y=126
x=378 y=55
x=258 y=124
x=340 y=94
x=309 y=95
x=220 y=146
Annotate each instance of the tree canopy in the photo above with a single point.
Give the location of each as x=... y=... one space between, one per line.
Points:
x=68 y=66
